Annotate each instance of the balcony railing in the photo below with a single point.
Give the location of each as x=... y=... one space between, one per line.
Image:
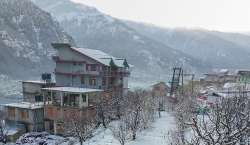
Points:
x=116 y=73
x=58 y=60
x=96 y=73
x=79 y=72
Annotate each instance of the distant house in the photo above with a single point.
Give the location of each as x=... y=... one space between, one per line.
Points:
x=219 y=78
x=160 y=90
x=244 y=76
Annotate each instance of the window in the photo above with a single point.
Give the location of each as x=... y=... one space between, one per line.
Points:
x=84 y=99
x=104 y=81
x=82 y=80
x=92 y=81
x=91 y=67
x=38 y=98
x=74 y=100
x=24 y=114
x=11 y=112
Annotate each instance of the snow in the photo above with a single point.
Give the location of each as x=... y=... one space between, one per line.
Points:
x=26 y=105
x=36 y=82
x=137 y=38
x=12 y=131
x=100 y=56
x=72 y=89
x=35 y=138
x=155 y=135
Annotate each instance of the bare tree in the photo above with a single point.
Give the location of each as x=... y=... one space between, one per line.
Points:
x=3 y=127
x=134 y=111
x=79 y=126
x=120 y=132
x=104 y=111
x=228 y=123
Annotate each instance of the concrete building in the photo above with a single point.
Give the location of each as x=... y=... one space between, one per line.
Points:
x=82 y=76
x=62 y=102
x=28 y=114
x=88 y=68
x=219 y=78
x=32 y=90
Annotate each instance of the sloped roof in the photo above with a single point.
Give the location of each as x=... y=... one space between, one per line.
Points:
x=100 y=56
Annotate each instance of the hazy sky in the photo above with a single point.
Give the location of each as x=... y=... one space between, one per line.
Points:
x=223 y=15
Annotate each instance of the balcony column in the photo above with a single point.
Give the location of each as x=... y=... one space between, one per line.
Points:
x=51 y=98
x=61 y=98
x=87 y=100
x=80 y=101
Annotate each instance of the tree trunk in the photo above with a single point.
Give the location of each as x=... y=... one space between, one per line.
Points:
x=134 y=136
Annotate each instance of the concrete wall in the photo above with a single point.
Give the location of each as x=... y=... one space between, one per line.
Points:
x=30 y=90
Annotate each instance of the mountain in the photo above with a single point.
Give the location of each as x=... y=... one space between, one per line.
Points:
x=219 y=49
x=26 y=33
x=93 y=29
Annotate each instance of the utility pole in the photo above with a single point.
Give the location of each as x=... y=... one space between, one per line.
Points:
x=192 y=82
x=176 y=78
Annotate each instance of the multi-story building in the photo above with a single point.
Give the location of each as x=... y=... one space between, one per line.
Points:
x=82 y=75
x=88 y=68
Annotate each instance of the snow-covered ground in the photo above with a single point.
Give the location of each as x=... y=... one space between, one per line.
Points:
x=158 y=134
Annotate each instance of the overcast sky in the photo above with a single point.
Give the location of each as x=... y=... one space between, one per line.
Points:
x=223 y=15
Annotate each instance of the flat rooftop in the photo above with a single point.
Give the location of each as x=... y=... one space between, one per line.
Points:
x=38 y=82
x=26 y=105
x=72 y=89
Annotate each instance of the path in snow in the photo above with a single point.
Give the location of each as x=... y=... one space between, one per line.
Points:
x=156 y=135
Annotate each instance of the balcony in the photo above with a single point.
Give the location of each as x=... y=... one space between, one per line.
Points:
x=122 y=73
x=57 y=59
x=79 y=72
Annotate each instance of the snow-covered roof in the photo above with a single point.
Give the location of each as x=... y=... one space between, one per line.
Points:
x=100 y=56
x=73 y=89
x=36 y=82
x=26 y=105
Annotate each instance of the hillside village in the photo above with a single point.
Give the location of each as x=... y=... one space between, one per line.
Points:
x=91 y=89
x=68 y=69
